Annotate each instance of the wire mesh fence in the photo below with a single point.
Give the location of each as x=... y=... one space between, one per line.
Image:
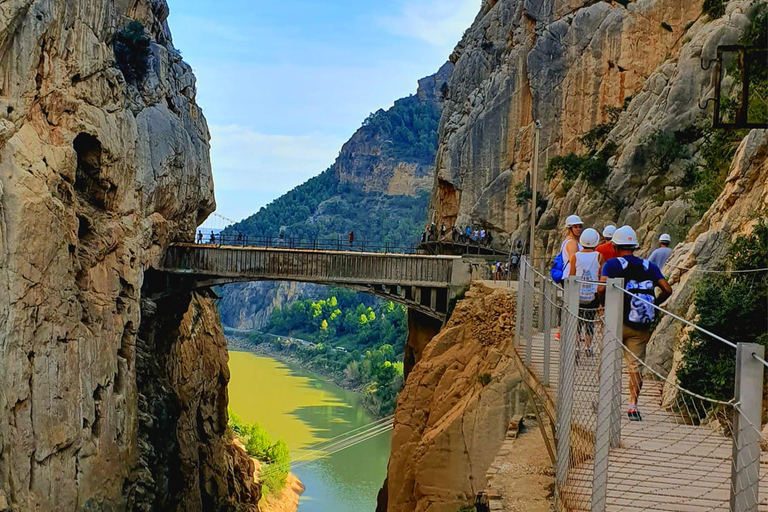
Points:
x=629 y=437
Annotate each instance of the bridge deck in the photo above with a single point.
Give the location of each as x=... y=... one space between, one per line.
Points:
x=662 y=464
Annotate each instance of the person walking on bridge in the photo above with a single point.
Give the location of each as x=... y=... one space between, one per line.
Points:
x=199 y=236
x=641 y=277
x=606 y=249
x=351 y=238
x=586 y=265
x=570 y=246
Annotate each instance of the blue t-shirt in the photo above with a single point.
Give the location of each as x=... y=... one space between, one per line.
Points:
x=613 y=268
x=640 y=282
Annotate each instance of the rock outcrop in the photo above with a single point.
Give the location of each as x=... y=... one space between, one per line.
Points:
x=104 y=159
x=452 y=416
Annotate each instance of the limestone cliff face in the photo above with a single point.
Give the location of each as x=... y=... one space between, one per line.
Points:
x=99 y=170
x=563 y=63
x=367 y=159
x=448 y=425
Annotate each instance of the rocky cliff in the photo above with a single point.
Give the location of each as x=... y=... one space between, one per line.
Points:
x=106 y=402
x=452 y=416
x=630 y=71
x=620 y=91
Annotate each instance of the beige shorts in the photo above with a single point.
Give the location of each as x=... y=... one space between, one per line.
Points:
x=636 y=341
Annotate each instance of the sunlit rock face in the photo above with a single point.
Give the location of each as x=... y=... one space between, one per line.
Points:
x=567 y=64
x=637 y=71
x=103 y=161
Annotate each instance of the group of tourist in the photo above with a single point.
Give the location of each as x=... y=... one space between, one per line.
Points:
x=467 y=235
x=592 y=259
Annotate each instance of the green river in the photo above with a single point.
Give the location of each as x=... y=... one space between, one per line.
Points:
x=304 y=409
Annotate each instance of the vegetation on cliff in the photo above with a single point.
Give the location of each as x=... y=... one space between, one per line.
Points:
x=326 y=206
x=276 y=456
x=733 y=305
x=410 y=127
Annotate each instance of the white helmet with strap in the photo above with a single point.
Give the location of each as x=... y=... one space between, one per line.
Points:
x=665 y=238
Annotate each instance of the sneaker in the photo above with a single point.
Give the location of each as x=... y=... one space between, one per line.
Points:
x=634 y=414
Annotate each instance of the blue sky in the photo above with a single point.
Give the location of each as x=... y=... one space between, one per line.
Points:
x=284 y=84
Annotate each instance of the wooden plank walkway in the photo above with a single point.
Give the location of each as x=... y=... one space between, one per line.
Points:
x=662 y=464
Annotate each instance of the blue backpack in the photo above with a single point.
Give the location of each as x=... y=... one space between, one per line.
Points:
x=557 y=268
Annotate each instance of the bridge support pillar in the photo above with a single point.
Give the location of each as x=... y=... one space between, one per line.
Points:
x=421 y=329
x=745 y=462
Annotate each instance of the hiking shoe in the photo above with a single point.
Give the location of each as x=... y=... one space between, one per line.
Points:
x=634 y=414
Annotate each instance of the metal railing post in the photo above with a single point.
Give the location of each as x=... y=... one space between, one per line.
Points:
x=569 y=333
x=607 y=433
x=520 y=304
x=547 y=310
x=745 y=462
x=528 y=298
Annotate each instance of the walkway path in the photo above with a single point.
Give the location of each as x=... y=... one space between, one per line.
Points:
x=678 y=459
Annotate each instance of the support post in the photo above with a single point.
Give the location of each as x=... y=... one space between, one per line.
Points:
x=520 y=303
x=568 y=335
x=608 y=416
x=745 y=462
x=528 y=297
x=547 y=310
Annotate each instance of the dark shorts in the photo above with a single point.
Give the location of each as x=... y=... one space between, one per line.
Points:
x=589 y=313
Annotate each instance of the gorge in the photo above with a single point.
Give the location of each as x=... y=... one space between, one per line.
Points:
x=113 y=398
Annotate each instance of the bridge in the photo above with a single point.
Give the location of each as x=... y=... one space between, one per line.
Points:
x=689 y=453
x=423 y=283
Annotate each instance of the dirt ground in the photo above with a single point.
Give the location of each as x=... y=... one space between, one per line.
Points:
x=526 y=477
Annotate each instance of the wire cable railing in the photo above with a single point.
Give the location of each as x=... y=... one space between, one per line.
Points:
x=630 y=436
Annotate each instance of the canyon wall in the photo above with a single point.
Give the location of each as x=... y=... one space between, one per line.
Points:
x=636 y=73
x=104 y=159
x=572 y=66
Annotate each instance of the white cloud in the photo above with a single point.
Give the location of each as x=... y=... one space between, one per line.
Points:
x=438 y=22
x=258 y=166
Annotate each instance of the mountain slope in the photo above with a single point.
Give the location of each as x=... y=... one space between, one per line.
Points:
x=378 y=187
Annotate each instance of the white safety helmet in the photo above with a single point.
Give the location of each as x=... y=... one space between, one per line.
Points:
x=665 y=238
x=625 y=236
x=590 y=238
x=572 y=220
x=608 y=232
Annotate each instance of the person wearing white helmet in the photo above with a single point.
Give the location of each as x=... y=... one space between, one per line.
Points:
x=570 y=246
x=662 y=254
x=641 y=277
x=586 y=264
x=606 y=248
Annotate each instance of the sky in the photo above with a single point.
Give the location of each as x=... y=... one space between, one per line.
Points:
x=283 y=84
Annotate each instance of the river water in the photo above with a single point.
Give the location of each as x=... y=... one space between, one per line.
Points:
x=305 y=410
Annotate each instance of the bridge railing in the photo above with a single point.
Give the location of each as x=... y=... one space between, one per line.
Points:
x=689 y=452
x=317 y=244
x=312 y=266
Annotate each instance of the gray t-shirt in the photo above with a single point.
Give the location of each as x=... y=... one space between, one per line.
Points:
x=660 y=256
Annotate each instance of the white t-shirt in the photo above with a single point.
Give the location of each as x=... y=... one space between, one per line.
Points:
x=587 y=268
